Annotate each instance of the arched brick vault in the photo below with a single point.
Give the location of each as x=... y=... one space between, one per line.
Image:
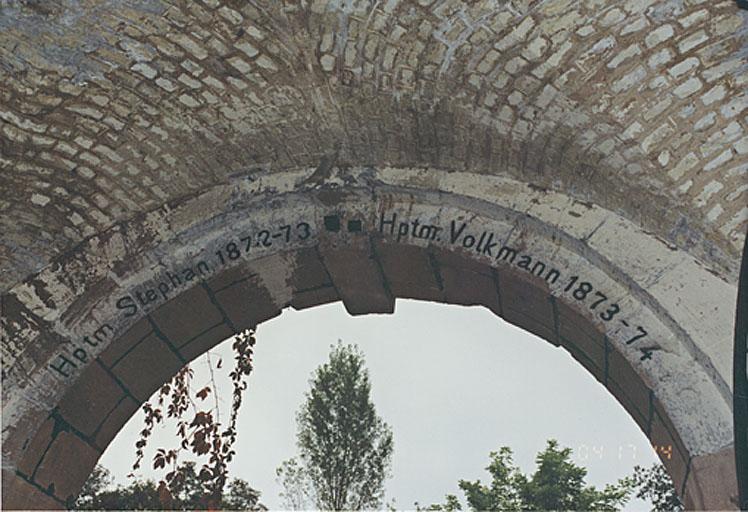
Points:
x=605 y=140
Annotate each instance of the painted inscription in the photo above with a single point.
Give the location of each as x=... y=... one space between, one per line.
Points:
x=488 y=244
x=168 y=283
x=456 y=233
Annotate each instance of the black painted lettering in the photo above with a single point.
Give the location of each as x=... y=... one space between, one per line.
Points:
x=232 y=250
x=506 y=254
x=151 y=295
x=103 y=332
x=582 y=290
x=572 y=280
x=188 y=274
x=524 y=262
x=601 y=297
x=468 y=241
x=390 y=223
x=143 y=299
x=59 y=366
x=415 y=227
x=163 y=288
x=306 y=232
x=454 y=234
x=402 y=231
x=552 y=276
x=175 y=281
x=646 y=354
x=203 y=267
x=80 y=355
x=428 y=232
x=490 y=244
x=287 y=229
x=479 y=247
x=538 y=268
x=128 y=304
x=613 y=310
x=641 y=333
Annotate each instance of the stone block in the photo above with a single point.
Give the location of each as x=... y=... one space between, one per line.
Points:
x=275 y=272
x=114 y=422
x=710 y=476
x=247 y=303
x=150 y=364
x=579 y=333
x=90 y=399
x=187 y=315
x=21 y=433
x=465 y=281
x=357 y=276
x=659 y=414
x=18 y=494
x=664 y=442
x=231 y=276
x=409 y=270
x=584 y=359
x=205 y=341
x=309 y=272
x=119 y=347
x=527 y=305
x=314 y=297
x=34 y=449
x=460 y=259
x=626 y=385
x=76 y=457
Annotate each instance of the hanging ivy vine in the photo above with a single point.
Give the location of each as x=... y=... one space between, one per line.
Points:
x=198 y=426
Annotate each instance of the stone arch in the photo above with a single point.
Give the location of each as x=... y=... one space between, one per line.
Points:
x=607 y=138
x=236 y=255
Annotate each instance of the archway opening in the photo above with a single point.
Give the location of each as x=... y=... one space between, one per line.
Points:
x=453 y=382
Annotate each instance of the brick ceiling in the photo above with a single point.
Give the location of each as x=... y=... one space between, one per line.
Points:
x=111 y=109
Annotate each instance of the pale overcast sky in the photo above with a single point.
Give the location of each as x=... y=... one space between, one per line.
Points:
x=454 y=383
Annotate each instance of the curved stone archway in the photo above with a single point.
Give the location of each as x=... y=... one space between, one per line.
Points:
x=174 y=171
x=236 y=255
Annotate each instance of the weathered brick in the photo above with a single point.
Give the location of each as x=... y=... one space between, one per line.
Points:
x=146 y=367
x=467 y=282
x=527 y=305
x=666 y=446
x=185 y=316
x=358 y=277
x=705 y=489
x=628 y=388
x=579 y=333
x=34 y=449
x=114 y=421
x=88 y=401
x=205 y=341
x=409 y=271
x=120 y=346
x=65 y=448
x=247 y=303
x=18 y=494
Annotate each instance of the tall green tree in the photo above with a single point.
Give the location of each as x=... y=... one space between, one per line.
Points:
x=345 y=448
x=654 y=484
x=557 y=484
x=505 y=490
